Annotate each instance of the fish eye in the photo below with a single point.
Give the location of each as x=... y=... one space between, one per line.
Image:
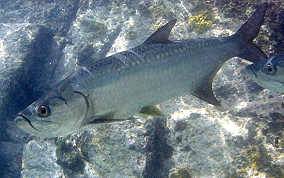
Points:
x=43 y=111
x=270 y=69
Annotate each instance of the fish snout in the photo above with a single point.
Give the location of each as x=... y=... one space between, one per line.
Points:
x=251 y=70
x=23 y=121
x=253 y=67
x=249 y=67
x=23 y=117
x=20 y=121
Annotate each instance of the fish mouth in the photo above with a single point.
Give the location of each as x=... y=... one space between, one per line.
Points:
x=22 y=118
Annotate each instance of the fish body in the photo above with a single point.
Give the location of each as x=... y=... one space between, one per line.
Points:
x=269 y=73
x=132 y=82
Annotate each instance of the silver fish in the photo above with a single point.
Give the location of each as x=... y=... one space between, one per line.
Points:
x=269 y=73
x=132 y=82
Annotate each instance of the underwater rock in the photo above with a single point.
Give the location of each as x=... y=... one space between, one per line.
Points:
x=69 y=157
x=132 y=35
x=39 y=160
x=180 y=126
x=180 y=173
x=97 y=29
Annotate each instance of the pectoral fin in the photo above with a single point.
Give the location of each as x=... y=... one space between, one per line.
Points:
x=152 y=110
x=108 y=118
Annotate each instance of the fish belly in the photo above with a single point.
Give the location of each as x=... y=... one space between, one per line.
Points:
x=150 y=84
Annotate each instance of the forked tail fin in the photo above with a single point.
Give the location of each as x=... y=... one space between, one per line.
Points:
x=248 y=31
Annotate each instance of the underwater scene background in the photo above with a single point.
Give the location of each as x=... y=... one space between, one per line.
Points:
x=43 y=41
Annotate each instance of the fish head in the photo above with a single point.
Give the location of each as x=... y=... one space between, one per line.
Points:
x=57 y=113
x=269 y=73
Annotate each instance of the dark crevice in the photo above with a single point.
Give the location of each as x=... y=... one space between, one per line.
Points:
x=158 y=150
x=28 y=82
x=35 y=76
x=73 y=157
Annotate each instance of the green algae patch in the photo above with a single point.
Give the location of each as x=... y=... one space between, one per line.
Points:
x=132 y=35
x=156 y=27
x=96 y=28
x=254 y=157
x=201 y=22
x=158 y=11
x=203 y=18
x=180 y=173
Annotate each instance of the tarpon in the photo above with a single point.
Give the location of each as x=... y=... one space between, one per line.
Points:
x=133 y=82
x=269 y=73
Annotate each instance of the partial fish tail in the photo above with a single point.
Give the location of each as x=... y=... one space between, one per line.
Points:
x=248 y=31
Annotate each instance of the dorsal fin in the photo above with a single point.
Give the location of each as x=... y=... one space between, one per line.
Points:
x=205 y=92
x=162 y=34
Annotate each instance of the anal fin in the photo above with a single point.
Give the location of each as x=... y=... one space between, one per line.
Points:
x=205 y=92
x=142 y=118
x=152 y=110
